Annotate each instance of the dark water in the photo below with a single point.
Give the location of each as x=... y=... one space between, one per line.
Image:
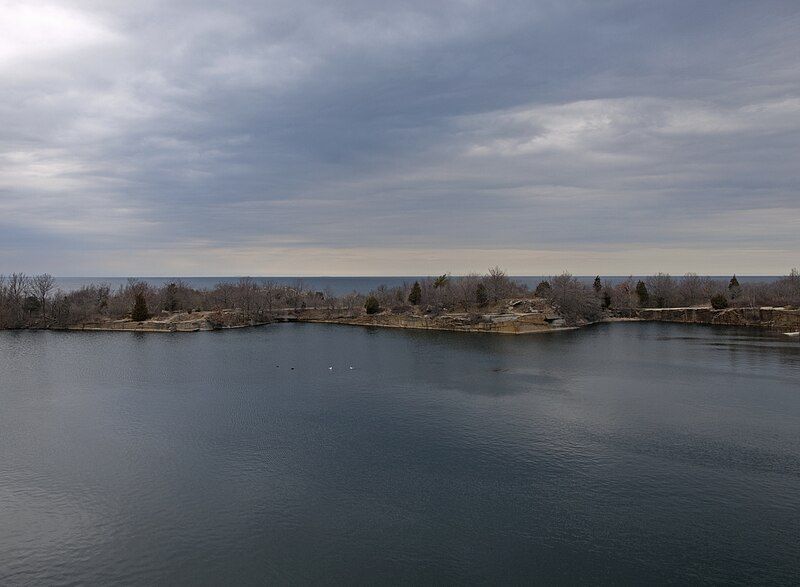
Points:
x=628 y=453
x=339 y=285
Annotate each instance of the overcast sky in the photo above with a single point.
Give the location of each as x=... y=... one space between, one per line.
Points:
x=399 y=138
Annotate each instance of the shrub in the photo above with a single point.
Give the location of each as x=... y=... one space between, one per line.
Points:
x=372 y=306
x=719 y=302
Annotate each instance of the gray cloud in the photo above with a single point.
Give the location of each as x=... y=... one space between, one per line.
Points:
x=361 y=137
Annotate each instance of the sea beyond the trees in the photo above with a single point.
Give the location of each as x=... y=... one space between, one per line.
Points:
x=492 y=302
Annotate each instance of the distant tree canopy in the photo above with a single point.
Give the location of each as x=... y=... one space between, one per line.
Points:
x=371 y=305
x=598 y=285
x=415 y=297
x=642 y=293
x=139 y=313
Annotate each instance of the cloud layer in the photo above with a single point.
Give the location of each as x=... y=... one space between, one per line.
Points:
x=399 y=138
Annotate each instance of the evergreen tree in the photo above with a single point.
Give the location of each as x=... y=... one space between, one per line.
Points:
x=543 y=289
x=641 y=292
x=441 y=281
x=31 y=305
x=140 y=313
x=481 y=295
x=415 y=297
x=372 y=306
x=606 y=299
x=598 y=285
x=734 y=288
x=719 y=302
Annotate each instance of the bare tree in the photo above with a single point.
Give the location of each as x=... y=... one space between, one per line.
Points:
x=498 y=284
x=245 y=296
x=691 y=290
x=466 y=288
x=574 y=300
x=42 y=285
x=352 y=302
x=269 y=292
x=662 y=289
x=17 y=288
x=788 y=289
x=623 y=295
x=3 y=303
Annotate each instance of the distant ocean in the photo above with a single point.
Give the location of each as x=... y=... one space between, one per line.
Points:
x=339 y=285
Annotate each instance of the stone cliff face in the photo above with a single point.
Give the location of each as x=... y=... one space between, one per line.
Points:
x=510 y=322
x=512 y=317
x=777 y=318
x=515 y=317
x=178 y=322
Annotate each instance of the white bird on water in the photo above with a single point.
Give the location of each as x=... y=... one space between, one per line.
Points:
x=330 y=368
x=351 y=367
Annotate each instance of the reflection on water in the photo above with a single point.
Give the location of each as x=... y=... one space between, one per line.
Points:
x=619 y=453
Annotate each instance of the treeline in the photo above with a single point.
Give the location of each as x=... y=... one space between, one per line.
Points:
x=577 y=301
x=448 y=293
x=35 y=301
x=664 y=291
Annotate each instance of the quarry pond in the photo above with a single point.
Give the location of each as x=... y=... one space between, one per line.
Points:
x=300 y=453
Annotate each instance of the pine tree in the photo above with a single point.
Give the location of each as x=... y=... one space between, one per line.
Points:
x=415 y=297
x=598 y=285
x=606 y=299
x=641 y=291
x=734 y=288
x=140 y=313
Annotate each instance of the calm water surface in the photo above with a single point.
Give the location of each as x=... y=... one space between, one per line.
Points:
x=626 y=453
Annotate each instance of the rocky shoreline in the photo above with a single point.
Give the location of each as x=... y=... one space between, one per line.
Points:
x=783 y=319
x=176 y=322
x=515 y=319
